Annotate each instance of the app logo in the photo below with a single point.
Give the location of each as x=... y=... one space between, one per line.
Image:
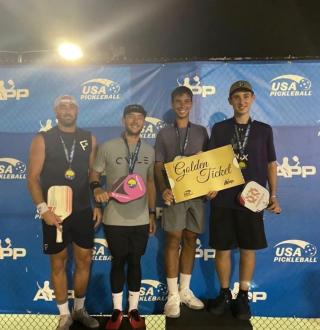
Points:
x=194 y=83
x=12 y=169
x=296 y=169
x=202 y=253
x=7 y=251
x=152 y=291
x=46 y=293
x=11 y=92
x=295 y=251
x=100 y=251
x=100 y=89
x=290 y=85
x=151 y=128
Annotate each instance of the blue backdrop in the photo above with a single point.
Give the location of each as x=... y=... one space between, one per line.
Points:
x=286 y=281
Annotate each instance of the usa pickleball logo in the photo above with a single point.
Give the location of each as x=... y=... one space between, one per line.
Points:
x=100 y=89
x=290 y=85
x=295 y=251
x=12 y=169
x=151 y=127
x=100 y=251
x=153 y=290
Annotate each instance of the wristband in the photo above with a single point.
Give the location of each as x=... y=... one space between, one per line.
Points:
x=94 y=184
x=42 y=208
x=152 y=211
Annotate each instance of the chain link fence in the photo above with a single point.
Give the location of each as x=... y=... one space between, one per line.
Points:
x=153 y=322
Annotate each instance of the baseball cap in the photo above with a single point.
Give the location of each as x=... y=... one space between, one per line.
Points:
x=134 y=108
x=240 y=85
x=65 y=99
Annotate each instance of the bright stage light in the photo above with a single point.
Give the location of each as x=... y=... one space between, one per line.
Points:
x=70 y=52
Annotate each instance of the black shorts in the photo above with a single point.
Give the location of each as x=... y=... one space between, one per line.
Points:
x=231 y=229
x=124 y=240
x=77 y=228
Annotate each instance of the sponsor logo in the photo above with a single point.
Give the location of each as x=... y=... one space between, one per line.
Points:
x=10 y=92
x=44 y=127
x=100 y=89
x=151 y=128
x=296 y=169
x=203 y=253
x=46 y=293
x=254 y=296
x=12 y=169
x=100 y=251
x=195 y=85
x=152 y=290
x=295 y=251
x=290 y=85
x=84 y=144
x=7 y=251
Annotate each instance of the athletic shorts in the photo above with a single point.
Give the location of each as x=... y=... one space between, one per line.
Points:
x=124 y=240
x=185 y=215
x=77 y=228
x=231 y=229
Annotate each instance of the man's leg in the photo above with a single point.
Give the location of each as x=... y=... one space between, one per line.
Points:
x=189 y=241
x=223 y=267
x=222 y=302
x=246 y=270
x=60 y=286
x=81 y=276
x=172 y=307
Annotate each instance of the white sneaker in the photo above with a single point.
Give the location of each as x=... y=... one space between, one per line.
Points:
x=65 y=322
x=82 y=316
x=188 y=298
x=172 y=306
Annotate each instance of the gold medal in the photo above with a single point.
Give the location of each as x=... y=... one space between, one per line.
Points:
x=178 y=157
x=242 y=165
x=70 y=174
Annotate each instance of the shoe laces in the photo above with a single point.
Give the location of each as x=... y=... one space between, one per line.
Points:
x=173 y=298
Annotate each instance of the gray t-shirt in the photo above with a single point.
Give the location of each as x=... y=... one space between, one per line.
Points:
x=112 y=160
x=168 y=145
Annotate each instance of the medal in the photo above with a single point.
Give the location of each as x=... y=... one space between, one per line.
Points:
x=242 y=165
x=69 y=174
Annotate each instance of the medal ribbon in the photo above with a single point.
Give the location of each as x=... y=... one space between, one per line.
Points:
x=69 y=157
x=186 y=139
x=242 y=145
x=132 y=158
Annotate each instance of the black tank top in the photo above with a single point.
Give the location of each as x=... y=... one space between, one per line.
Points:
x=55 y=164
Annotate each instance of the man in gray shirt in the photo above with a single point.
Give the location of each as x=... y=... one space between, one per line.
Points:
x=181 y=221
x=127 y=225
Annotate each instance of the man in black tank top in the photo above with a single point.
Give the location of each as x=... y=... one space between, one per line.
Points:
x=63 y=156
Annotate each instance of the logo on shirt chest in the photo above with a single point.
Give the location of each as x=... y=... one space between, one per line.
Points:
x=84 y=144
x=124 y=160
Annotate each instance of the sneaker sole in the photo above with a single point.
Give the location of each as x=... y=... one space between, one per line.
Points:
x=192 y=306
x=172 y=316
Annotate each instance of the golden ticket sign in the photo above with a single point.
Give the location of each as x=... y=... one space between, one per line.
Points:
x=195 y=176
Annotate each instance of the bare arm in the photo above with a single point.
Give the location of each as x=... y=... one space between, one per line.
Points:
x=274 y=206
x=166 y=193
x=100 y=195
x=97 y=213
x=151 y=192
x=35 y=165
